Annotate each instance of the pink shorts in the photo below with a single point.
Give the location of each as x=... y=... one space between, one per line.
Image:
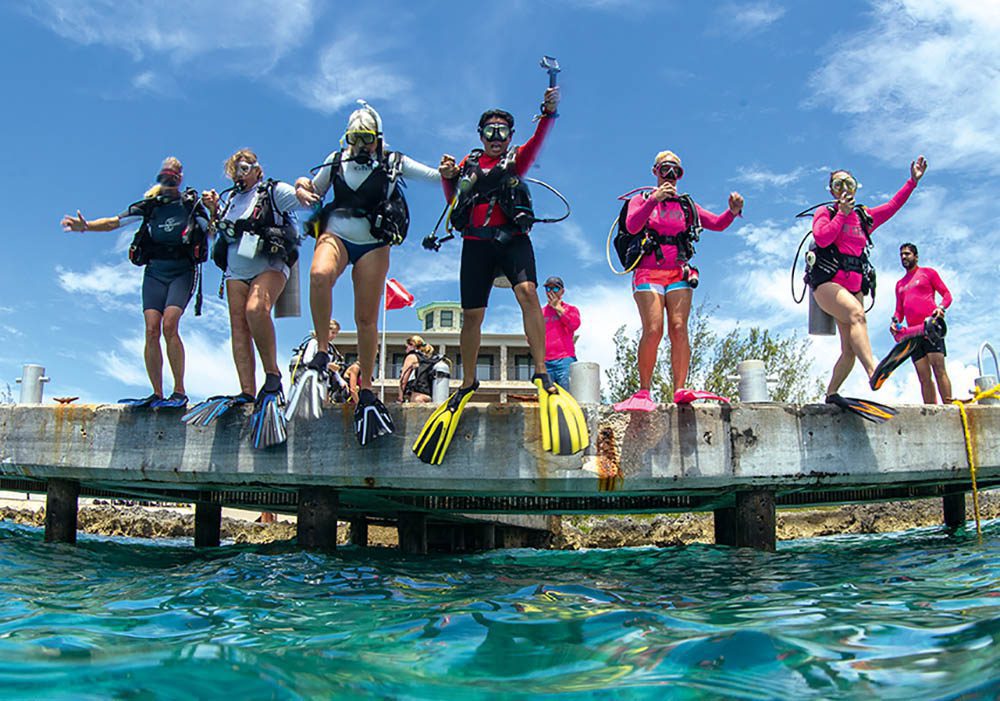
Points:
x=659 y=281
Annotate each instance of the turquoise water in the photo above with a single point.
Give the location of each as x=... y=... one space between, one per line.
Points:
x=912 y=615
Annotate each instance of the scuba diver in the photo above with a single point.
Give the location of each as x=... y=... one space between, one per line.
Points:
x=170 y=244
x=256 y=246
x=916 y=304
x=841 y=275
x=367 y=215
x=337 y=390
x=661 y=228
x=418 y=362
x=491 y=208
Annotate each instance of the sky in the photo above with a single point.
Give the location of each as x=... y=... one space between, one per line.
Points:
x=762 y=97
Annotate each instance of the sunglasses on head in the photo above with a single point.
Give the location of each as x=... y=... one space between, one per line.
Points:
x=669 y=171
x=360 y=137
x=496 y=132
x=169 y=178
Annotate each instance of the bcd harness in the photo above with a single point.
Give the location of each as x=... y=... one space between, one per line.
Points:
x=499 y=186
x=194 y=238
x=631 y=248
x=822 y=263
x=379 y=199
x=422 y=380
x=276 y=229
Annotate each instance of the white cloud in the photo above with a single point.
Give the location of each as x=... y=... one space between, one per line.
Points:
x=749 y=17
x=924 y=79
x=758 y=176
x=572 y=242
x=103 y=281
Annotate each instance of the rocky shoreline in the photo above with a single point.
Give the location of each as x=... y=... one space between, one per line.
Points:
x=577 y=531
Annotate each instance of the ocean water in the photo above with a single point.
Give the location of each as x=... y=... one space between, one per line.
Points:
x=912 y=615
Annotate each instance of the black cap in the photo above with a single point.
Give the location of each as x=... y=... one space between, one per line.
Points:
x=553 y=281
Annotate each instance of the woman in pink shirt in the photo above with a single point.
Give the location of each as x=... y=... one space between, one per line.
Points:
x=663 y=280
x=841 y=295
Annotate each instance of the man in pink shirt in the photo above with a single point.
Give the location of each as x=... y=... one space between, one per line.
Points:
x=561 y=320
x=915 y=301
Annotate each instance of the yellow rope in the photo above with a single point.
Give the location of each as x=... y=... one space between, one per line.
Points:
x=968 y=448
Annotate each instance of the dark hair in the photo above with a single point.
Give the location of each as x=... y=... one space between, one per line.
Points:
x=911 y=246
x=838 y=170
x=492 y=114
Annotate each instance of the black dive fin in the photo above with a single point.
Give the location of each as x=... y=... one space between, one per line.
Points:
x=899 y=354
x=866 y=409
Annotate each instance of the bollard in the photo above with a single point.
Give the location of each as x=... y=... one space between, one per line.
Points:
x=820 y=323
x=31 y=381
x=986 y=381
x=752 y=381
x=441 y=387
x=585 y=382
x=288 y=303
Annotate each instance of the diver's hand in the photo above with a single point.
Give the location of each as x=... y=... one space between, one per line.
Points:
x=77 y=223
x=735 y=203
x=306 y=193
x=845 y=203
x=550 y=101
x=918 y=168
x=448 y=168
x=210 y=198
x=667 y=189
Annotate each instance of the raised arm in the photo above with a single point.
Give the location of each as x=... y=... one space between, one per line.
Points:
x=78 y=223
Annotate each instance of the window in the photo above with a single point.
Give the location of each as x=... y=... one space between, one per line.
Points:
x=485 y=369
x=429 y=321
x=447 y=318
x=523 y=368
x=396 y=369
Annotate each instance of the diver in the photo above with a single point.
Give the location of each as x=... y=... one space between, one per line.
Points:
x=256 y=246
x=416 y=377
x=663 y=278
x=351 y=230
x=842 y=235
x=491 y=209
x=916 y=294
x=171 y=242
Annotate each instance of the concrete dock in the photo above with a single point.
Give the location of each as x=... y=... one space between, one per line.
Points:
x=740 y=462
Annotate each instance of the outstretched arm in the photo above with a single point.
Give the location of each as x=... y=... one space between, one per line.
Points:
x=78 y=223
x=415 y=169
x=719 y=222
x=881 y=214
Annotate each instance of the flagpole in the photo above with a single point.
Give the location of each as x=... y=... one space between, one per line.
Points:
x=381 y=364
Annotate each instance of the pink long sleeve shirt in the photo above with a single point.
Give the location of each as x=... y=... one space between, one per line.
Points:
x=667 y=218
x=915 y=295
x=559 y=331
x=844 y=231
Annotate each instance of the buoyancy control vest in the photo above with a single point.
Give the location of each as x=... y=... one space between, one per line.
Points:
x=500 y=186
x=422 y=380
x=194 y=237
x=379 y=199
x=275 y=228
x=631 y=248
x=822 y=263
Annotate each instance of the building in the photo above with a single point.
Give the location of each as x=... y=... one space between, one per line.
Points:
x=504 y=367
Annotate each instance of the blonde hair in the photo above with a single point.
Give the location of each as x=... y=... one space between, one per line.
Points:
x=666 y=156
x=362 y=120
x=169 y=163
x=335 y=323
x=244 y=154
x=420 y=344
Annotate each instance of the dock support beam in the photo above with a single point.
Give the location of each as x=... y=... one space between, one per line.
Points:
x=412 y=528
x=359 y=531
x=60 y=511
x=750 y=524
x=317 y=518
x=207 y=525
x=954 y=510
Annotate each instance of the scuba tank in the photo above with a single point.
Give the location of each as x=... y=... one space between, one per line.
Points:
x=289 y=303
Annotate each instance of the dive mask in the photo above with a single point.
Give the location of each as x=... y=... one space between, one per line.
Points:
x=496 y=132
x=845 y=183
x=360 y=137
x=169 y=178
x=669 y=171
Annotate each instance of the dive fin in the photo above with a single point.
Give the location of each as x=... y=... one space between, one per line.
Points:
x=371 y=419
x=436 y=435
x=306 y=397
x=866 y=409
x=896 y=357
x=267 y=421
x=204 y=413
x=563 y=425
x=141 y=403
x=640 y=401
x=686 y=396
x=177 y=400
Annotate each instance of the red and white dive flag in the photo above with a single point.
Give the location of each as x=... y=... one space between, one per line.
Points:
x=396 y=296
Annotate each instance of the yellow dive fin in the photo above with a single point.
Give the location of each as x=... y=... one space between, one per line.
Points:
x=564 y=427
x=436 y=435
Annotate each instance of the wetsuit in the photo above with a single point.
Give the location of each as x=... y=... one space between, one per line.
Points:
x=845 y=232
x=166 y=282
x=355 y=180
x=662 y=275
x=915 y=301
x=241 y=206
x=481 y=258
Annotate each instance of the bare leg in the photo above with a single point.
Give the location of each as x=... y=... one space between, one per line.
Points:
x=242 y=344
x=678 y=304
x=927 y=391
x=264 y=290
x=472 y=322
x=175 y=347
x=650 y=306
x=534 y=322
x=152 y=354
x=848 y=310
x=369 y=284
x=328 y=263
x=941 y=374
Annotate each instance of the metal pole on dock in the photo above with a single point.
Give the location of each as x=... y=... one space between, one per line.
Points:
x=32 y=380
x=585 y=382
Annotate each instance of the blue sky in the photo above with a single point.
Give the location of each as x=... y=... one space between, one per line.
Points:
x=764 y=97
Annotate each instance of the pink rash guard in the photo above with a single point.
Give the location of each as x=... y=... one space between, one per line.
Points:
x=559 y=331
x=915 y=296
x=844 y=231
x=667 y=218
